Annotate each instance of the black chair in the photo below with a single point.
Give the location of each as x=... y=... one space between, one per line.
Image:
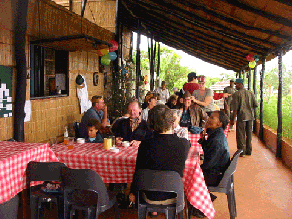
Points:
x=162 y=181
x=44 y=171
x=76 y=129
x=226 y=184
x=9 y=209
x=84 y=190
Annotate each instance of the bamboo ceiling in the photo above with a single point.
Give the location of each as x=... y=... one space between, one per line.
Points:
x=221 y=32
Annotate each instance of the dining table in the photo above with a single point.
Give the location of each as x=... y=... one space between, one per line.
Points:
x=14 y=157
x=119 y=167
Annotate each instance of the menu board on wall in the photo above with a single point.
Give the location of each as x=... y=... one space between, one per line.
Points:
x=5 y=91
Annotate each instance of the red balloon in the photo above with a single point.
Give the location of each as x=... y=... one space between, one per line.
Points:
x=250 y=57
x=114 y=47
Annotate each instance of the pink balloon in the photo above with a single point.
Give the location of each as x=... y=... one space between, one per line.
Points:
x=114 y=47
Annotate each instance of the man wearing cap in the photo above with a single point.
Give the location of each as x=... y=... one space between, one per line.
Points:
x=243 y=105
x=192 y=83
x=97 y=111
x=228 y=91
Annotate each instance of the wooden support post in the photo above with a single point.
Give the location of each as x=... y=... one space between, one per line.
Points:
x=249 y=79
x=262 y=97
x=279 y=107
x=138 y=60
x=117 y=36
x=255 y=94
x=158 y=61
x=20 y=27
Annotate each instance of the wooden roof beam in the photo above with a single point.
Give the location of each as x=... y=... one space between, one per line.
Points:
x=272 y=17
x=195 y=23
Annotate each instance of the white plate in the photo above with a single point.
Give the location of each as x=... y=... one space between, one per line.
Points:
x=115 y=150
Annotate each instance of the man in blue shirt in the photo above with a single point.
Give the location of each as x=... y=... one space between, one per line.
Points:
x=98 y=111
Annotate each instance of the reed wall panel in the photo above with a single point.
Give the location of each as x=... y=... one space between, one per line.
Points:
x=50 y=115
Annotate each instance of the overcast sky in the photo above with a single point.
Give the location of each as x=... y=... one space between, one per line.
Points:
x=210 y=70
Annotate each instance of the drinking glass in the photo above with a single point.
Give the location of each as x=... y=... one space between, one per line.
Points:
x=113 y=141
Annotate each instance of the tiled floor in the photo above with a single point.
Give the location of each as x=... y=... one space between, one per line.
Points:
x=263 y=188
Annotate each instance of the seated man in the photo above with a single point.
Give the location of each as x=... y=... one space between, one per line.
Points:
x=165 y=151
x=216 y=152
x=133 y=129
x=97 y=111
x=192 y=115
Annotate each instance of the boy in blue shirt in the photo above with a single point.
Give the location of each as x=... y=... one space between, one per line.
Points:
x=93 y=134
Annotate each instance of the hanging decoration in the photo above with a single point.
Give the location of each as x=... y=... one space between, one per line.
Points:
x=256 y=58
x=114 y=47
x=105 y=60
x=103 y=52
x=252 y=64
x=112 y=55
x=250 y=57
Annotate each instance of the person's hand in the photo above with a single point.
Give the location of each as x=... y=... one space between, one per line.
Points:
x=104 y=109
x=203 y=134
x=132 y=198
x=135 y=143
x=119 y=140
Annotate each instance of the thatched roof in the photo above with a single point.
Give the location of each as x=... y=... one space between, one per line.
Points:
x=221 y=32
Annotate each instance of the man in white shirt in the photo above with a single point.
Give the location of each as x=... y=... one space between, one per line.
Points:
x=163 y=91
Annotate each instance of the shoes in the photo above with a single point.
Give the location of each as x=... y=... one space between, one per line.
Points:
x=242 y=155
x=197 y=213
x=153 y=215
x=213 y=197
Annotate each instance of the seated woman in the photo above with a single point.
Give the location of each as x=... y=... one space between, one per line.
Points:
x=182 y=132
x=94 y=136
x=150 y=104
x=171 y=103
x=216 y=151
x=165 y=151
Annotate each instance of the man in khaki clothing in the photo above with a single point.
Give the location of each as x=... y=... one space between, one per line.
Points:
x=228 y=91
x=243 y=104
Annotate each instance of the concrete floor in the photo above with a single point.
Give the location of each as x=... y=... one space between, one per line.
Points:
x=263 y=187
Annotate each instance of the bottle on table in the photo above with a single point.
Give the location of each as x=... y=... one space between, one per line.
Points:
x=66 y=135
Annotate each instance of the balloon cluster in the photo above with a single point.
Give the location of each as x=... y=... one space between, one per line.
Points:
x=108 y=54
x=253 y=59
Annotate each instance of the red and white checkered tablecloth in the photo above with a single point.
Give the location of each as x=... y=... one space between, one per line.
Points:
x=194 y=185
x=120 y=167
x=112 y=167
x=195 y=137
x=14 y=157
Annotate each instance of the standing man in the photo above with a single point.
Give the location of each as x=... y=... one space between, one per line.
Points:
x=163 y=91
x=98 y=111
x=243 y=105
x=228 y=91
x=192 y=83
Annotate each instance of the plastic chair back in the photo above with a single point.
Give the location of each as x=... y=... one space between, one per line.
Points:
x=9 y=209
x=76 y=129
x=227 y=177
x=85 y=179
x=43 y=171
x=162 y=181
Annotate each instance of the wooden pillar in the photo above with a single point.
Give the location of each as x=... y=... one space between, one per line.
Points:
x=240 y=72
x=255 y=94
x=249 y=79
x=138 y=58
x=279 y=107
x=262 y=97
x=158 y=60
x=20 y=26
x=117 y=36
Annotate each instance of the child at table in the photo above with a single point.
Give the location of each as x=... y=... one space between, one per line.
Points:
x=93 y=134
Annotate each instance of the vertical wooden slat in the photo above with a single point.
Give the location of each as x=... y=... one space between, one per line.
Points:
x=249 y=79
x=255 y=94
x=138 y=60
x=279 y=107
x=261 y=133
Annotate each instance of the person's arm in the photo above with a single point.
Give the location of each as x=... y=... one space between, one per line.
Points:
x=207 y=100
x=212 y=153
x=104 y=121
x=234 y=107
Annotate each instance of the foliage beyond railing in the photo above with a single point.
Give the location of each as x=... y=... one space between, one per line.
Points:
x=270 y=114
